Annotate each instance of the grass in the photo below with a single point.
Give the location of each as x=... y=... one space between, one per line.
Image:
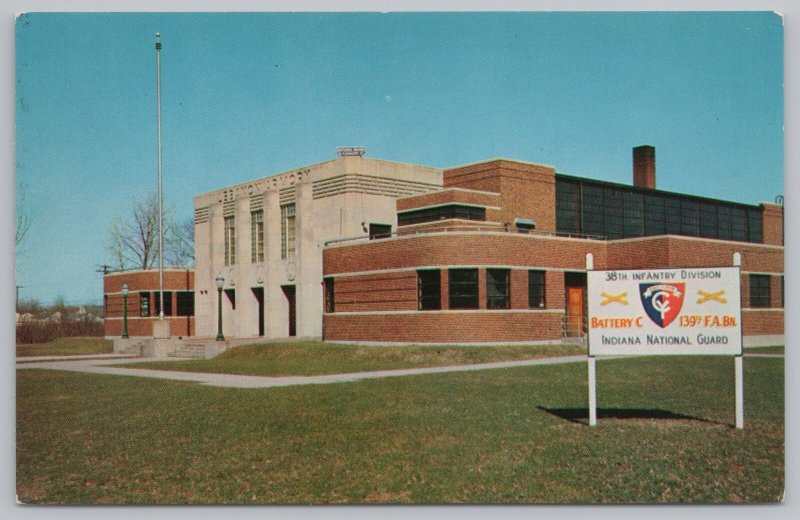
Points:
x=779 y=349
x=67 y=347
x=315 y=357
x=515 y=435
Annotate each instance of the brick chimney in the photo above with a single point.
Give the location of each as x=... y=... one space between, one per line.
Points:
x=644 y=166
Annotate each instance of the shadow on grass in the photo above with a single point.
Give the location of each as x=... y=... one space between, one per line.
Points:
x=581 y=415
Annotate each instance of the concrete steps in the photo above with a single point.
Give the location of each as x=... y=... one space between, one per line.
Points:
x=190 y=350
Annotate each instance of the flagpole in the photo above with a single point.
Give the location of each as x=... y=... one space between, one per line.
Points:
x=160 y=192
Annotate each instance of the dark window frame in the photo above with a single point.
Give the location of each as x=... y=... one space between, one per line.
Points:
x=144 y=304
x=167 y=303
x=443 y=212
x=537 y=289
x=463 y=288
x=760 y=297
x=184 y=303
x=330 y=294
x=499 y=281
x=429 y=289
x=378 y=231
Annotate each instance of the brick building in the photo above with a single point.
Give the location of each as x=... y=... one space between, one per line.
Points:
x=144 y=303
x=498 y=255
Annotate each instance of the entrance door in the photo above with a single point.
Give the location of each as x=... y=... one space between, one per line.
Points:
x=258 y=292
x=574 y=311
x=289 y=291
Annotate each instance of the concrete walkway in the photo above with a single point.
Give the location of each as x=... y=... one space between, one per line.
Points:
x=110 y=367
x=28 y=359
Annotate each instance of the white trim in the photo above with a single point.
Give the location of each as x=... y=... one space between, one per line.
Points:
x=446 y=311
x=455 y=203
x=697 y=239
x=467 y=190
x=426 y=267
x=533 y=235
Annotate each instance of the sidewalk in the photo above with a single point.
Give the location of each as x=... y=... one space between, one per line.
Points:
x=109 y=367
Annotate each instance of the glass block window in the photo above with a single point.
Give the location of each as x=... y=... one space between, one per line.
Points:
x=257 y=236
x=287 y=230
x=230 y=241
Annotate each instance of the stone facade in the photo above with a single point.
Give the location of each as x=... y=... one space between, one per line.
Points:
x=277 y=293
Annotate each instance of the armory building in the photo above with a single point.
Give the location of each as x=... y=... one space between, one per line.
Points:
x=363 y=250
x=498 y=255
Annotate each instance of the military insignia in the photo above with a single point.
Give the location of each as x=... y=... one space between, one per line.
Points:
x=662 y=301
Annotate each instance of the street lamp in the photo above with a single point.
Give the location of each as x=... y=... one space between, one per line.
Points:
x=124 y=311
x=220 y=281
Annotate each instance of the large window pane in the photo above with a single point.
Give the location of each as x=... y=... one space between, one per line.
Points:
x=759 y=290
x=497 y=289
x=463 y=286
x=429 y=289
x=536 y=299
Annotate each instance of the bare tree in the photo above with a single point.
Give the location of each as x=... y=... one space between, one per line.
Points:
x=24 y=216
x=133 y=241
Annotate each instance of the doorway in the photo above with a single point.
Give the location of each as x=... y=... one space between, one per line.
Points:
x=575 y=317
x=289 y=292
x=258 y=292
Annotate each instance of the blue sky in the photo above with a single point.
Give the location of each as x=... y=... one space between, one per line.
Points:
x=249 y=95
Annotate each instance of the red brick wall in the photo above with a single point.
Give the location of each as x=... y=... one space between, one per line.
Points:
x=397 y=291
x=463 y=249
x=448 y=196
x=526 y=190
x=762 y=322
x=145 y=281
x=386 y=291
x=772 y=218
x=178 y=326
x=444 y=327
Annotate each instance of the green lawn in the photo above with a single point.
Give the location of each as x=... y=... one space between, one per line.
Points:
x=316 y=357
x=67 y=347
x=778 y=349
x=493 y=436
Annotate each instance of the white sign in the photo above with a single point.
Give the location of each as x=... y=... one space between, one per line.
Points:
x=665 y=311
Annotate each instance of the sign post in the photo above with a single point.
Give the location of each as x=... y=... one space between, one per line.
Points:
x=680 y=311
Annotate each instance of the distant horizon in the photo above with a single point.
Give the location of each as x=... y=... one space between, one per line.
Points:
x=573 y=90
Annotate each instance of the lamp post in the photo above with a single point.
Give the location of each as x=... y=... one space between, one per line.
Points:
x=220 y=281
x=124 y=311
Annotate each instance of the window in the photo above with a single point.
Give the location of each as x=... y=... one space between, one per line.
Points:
x=536 y=290
x=759 y=290
x=447 y=211
x=429 y=291
x=144 y=304
x=230 y=241
x=231 y=294
x=497 y=293
x=167 y=303
x=567 y=207
x=379 y=231
x=330 y=303
x=287 y=230
x=185 y=303
x=257 y=236
x=463 y=284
